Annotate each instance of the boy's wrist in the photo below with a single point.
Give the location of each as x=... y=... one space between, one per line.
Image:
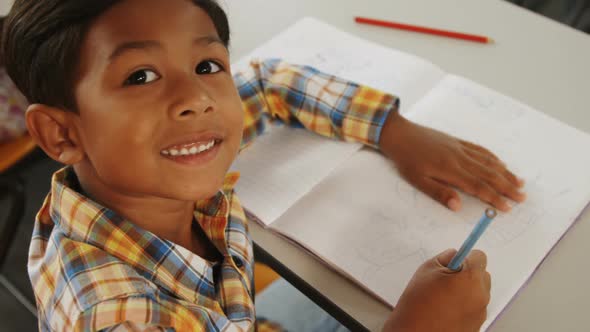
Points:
x=399 y=321
x=392 y=131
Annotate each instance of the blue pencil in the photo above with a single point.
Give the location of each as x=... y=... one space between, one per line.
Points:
x=480 y=227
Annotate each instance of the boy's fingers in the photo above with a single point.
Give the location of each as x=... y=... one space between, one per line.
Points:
x=484 y=159
x=440 y=192
x=481 y=318
x=479 y=188
x=487 y=281
x=497 y=181
x=482 y=150
x=476 y=260
x=497 y=166
x=512 y=177
x=444 y=258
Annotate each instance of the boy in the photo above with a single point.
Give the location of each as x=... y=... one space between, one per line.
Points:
x=137 y=98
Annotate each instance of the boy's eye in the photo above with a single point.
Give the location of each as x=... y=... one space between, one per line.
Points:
x=141 y=77
x=208 y=67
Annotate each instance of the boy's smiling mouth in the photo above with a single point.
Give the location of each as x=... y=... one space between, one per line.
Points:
x=193 y=151
x=188 y=149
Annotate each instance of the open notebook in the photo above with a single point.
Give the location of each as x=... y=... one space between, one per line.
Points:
x=348 y=205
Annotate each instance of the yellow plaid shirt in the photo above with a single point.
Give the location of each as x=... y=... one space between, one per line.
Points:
x=93 y=270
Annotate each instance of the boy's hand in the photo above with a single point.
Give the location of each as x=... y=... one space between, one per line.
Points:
x=438 y=299
x=435 y=162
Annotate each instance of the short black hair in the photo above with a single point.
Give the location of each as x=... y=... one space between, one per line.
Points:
x=41 y=42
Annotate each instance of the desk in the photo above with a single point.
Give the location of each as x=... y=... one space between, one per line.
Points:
x=538 y=61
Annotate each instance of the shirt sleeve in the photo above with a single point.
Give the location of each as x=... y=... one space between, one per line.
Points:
x=142 y=313
x=301 y=96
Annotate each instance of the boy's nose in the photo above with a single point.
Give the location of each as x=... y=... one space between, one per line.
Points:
x=191 y=100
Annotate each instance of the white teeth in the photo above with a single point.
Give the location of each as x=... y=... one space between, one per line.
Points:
x=192 y=151
x=207 y=146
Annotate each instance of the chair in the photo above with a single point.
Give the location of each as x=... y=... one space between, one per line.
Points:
x=12 y=190
x=263 y=276
x=13 y=151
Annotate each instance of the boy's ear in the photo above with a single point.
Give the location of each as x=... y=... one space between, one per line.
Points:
x=54 y=131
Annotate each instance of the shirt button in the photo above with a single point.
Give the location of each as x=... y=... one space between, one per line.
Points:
x=238 y=261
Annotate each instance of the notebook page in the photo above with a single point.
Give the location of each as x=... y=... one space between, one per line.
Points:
x=282 y=166
x=317 y=44
x=378 y=229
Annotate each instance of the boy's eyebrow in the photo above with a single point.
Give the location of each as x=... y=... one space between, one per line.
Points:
x=133 y=45
x=146 y=44
x=207 y=40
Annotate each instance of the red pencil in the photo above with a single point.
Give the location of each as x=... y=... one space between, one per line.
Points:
x=415 y=28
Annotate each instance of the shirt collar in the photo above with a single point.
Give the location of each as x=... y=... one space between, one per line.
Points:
x=152 y=257
x=215 y=206
x=213 y=213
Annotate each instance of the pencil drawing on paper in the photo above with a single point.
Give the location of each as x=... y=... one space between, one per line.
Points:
x=421 y=225
x=419 y=202
x=509 y=228
x=372 y=251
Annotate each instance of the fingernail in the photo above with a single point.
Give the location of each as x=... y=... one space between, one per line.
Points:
x=520 y=181
x=522 y=196
x=507 y=206
x=454 y=204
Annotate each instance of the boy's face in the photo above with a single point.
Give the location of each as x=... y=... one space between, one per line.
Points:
x=159 y=114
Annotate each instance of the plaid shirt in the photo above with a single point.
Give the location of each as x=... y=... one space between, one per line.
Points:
x=93 y=270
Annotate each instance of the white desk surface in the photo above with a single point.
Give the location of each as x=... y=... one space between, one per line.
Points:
x=538 y=61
